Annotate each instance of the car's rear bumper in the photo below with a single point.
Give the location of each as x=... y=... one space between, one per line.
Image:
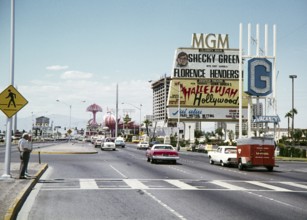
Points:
x=165 y=158
x=108 y=147
x=231 y=161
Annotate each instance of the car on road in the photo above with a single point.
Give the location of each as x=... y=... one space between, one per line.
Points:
x=120 y=143
x=143 y=145
x=224 y=155
x=97 y=142
x=153 y=143
x=162 y=152
x=108 y=144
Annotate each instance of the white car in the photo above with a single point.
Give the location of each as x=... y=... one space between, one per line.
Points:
x=120 y=143
x=108 y=144
x=224 y=155
x=98 y=142
x=143 y=145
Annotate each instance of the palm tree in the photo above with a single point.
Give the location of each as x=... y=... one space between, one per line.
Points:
x=293 y=112
x=147 y=124
x=288 y=115
x=230 y=136
x=219 y=132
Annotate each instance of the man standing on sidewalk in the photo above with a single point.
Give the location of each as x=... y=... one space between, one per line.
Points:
x=25 y=148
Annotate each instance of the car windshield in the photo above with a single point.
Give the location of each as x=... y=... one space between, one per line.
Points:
x=109 y=140
x=164 y=147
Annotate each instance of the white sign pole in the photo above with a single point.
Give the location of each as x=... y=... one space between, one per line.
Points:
x=250 y=101
x=240 y=81
x=178 y=136
x=7 y=162
x=116 y=113
x=274 y=70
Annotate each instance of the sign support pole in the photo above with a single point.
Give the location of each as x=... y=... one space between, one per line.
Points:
x=240 y=81
x=7 y=162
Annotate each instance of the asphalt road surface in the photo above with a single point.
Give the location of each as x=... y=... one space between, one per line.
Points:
x=121 y=184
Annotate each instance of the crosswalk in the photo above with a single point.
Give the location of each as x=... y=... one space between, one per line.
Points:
x=172 y=184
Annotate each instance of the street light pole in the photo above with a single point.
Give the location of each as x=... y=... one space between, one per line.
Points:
x=7 y=159
x=69 y=111
x=292 y=77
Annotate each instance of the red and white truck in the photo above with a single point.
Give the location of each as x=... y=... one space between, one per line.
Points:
x=256 y=151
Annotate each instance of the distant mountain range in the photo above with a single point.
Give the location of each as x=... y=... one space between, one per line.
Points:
x=55 y=120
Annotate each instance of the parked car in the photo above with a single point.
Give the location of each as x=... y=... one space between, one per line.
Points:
x=97 y=142
x=143 y=145
x=224 y=155
x=162 y=152
x=120 y=143
x=153 y=143
x=108 y=144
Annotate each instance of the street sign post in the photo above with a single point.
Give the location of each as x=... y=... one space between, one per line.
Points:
x=11 y=101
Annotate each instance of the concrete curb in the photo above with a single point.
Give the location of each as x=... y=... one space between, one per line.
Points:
x=22 y=196
x=61 y=152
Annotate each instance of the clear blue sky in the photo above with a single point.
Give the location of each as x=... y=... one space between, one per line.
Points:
x=76 y=50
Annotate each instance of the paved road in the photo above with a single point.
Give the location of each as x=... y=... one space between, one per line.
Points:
x=122 y=185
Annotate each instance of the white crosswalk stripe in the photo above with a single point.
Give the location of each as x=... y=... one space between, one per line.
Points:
x=180 y=184
x=295 y=185
x=269 y=186
x=88 y=184
x=228 y=185
x=135 y=184
x=173 y=184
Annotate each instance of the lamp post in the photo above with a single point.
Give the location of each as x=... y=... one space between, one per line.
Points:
x=139 y=108
x=69 y=111
x=189 y=133
x=292 y=77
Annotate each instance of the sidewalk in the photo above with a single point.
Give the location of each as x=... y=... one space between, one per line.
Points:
x=14 y=191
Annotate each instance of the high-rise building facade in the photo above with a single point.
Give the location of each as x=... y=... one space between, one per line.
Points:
x=160 y=93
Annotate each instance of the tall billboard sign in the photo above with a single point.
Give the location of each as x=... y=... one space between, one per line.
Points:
x=206 y=63
x=206 y=76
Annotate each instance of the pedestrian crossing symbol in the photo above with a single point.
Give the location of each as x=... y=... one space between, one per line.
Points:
x=11 y=101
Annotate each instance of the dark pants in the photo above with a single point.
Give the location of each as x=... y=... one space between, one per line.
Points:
x=24 y=157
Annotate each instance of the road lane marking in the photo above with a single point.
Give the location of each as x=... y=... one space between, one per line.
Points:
x=295 y=184
x=180 y=184
x=88 y=184
x=276 y=188
x=164 y=205
x=135 y=184
x=228 y=185
x=120 y=173
x=273 y=200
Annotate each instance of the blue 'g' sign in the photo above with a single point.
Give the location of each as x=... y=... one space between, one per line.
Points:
x=259 y=77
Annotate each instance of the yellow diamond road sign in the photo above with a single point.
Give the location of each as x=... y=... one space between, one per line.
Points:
x=11 y=101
